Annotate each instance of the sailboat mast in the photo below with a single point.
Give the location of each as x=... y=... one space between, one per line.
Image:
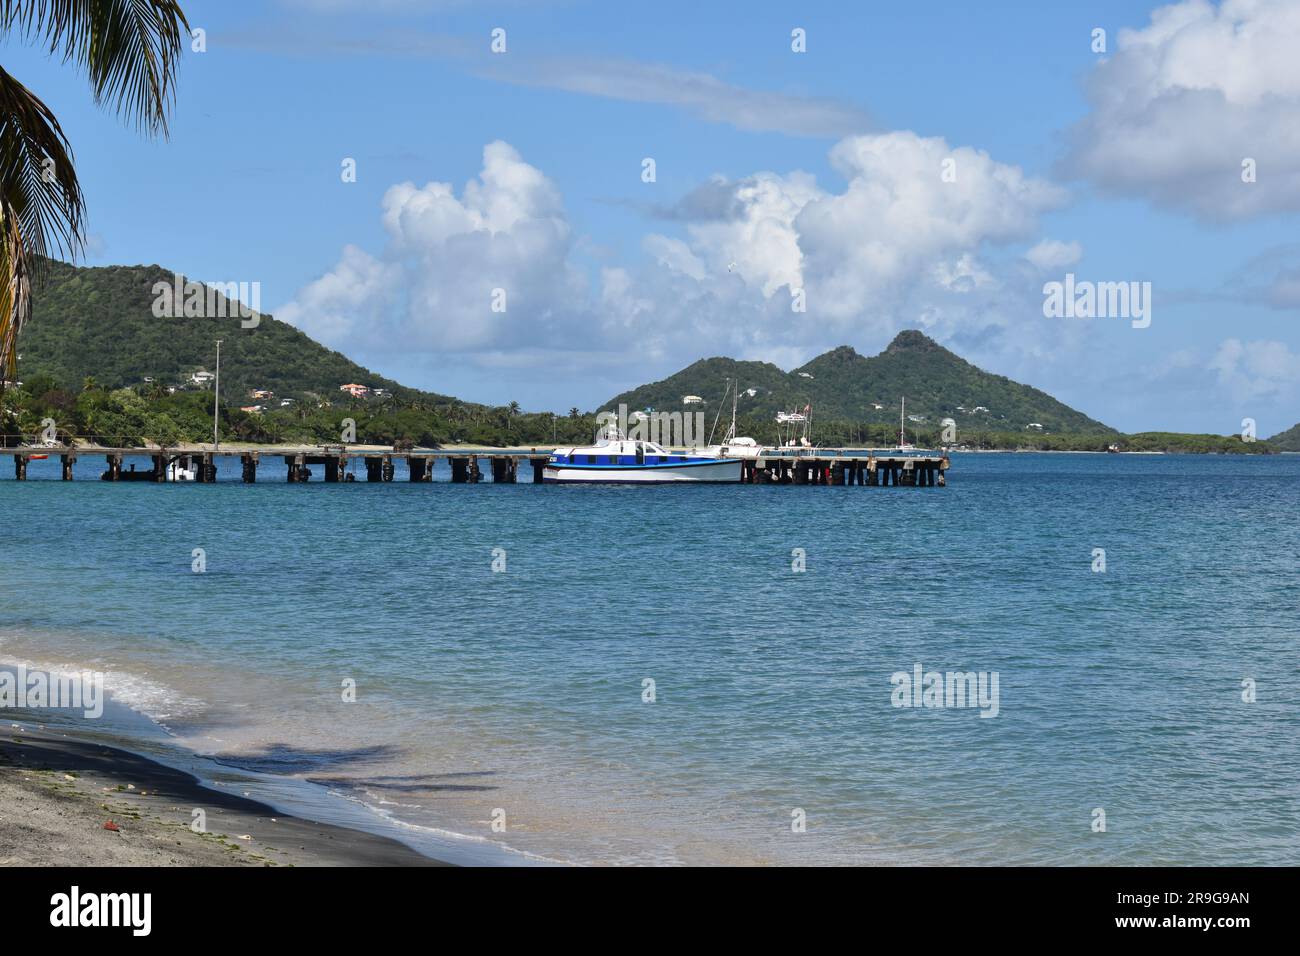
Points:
x=735 y=400
x=902 y=428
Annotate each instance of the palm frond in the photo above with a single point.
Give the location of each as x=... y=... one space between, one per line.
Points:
x=41 y=206
x=128 y=48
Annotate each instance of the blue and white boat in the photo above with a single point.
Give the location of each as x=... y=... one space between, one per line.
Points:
x=636 y=462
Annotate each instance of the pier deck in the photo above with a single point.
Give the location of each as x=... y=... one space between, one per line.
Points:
x=819 y=467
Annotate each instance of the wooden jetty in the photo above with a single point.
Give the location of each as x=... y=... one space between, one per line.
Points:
x=819 y=467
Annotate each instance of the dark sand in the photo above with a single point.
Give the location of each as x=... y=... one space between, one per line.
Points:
x=56 y=794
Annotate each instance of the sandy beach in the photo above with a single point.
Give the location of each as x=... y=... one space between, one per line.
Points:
x=57 y=795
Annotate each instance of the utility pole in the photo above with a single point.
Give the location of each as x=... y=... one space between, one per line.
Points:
x=216 y=401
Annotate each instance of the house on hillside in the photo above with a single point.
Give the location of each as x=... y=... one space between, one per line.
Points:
x=202 y=379
x=692 y=400
x=356 y=391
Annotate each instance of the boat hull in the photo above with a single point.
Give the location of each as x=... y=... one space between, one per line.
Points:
x=723 y=470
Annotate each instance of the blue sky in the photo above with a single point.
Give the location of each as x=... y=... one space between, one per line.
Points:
x=775 y=170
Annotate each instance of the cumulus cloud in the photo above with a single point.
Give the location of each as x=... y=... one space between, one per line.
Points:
x=1186 y=99
x=352 y=295
x=899 y=245
x=505 y=241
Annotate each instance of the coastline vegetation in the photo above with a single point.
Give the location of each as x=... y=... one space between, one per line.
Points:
x=150 y=414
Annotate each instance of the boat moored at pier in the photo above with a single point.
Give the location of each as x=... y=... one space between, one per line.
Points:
x=637 y=462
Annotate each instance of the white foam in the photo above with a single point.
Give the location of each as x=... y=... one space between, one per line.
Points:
x=137 y=692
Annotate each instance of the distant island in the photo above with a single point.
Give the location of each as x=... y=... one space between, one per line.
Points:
x=97 y=361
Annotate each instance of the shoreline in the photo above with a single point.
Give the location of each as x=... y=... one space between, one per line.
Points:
x=58 y=792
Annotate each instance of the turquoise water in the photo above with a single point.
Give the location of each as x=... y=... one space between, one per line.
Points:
x=522 y=690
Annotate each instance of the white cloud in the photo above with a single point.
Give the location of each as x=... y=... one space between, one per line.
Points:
x=1051 y=255
x=896 y=247
x=898 y=219
x=1186 y=99
x=346 y=301
x=701 y=94
x=1257 y=370
x=673 y=254
x=434 y=288
x=757 y=240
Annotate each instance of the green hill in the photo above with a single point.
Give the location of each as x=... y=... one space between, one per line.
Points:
x=1288 y=440
x=845 y=386
x=99 y=322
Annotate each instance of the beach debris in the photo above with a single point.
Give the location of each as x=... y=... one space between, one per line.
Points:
x=246 y=837
x=130 y=786
x=110 y=825
x=68 y=776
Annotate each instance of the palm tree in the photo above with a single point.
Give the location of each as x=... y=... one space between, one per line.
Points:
x=128 y=50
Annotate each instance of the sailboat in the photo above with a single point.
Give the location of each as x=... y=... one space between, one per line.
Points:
x=733 y=445
x=903 y=443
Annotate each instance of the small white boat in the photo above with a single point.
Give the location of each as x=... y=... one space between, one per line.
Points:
x=185 y=468
x=619 y=460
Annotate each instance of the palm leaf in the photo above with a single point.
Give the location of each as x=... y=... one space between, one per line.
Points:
x=128 y=48
x=41 y=205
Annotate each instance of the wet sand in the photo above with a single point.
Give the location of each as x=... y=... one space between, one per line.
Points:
x=57 y=793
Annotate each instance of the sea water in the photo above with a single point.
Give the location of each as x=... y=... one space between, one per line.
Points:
x=705 y=674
